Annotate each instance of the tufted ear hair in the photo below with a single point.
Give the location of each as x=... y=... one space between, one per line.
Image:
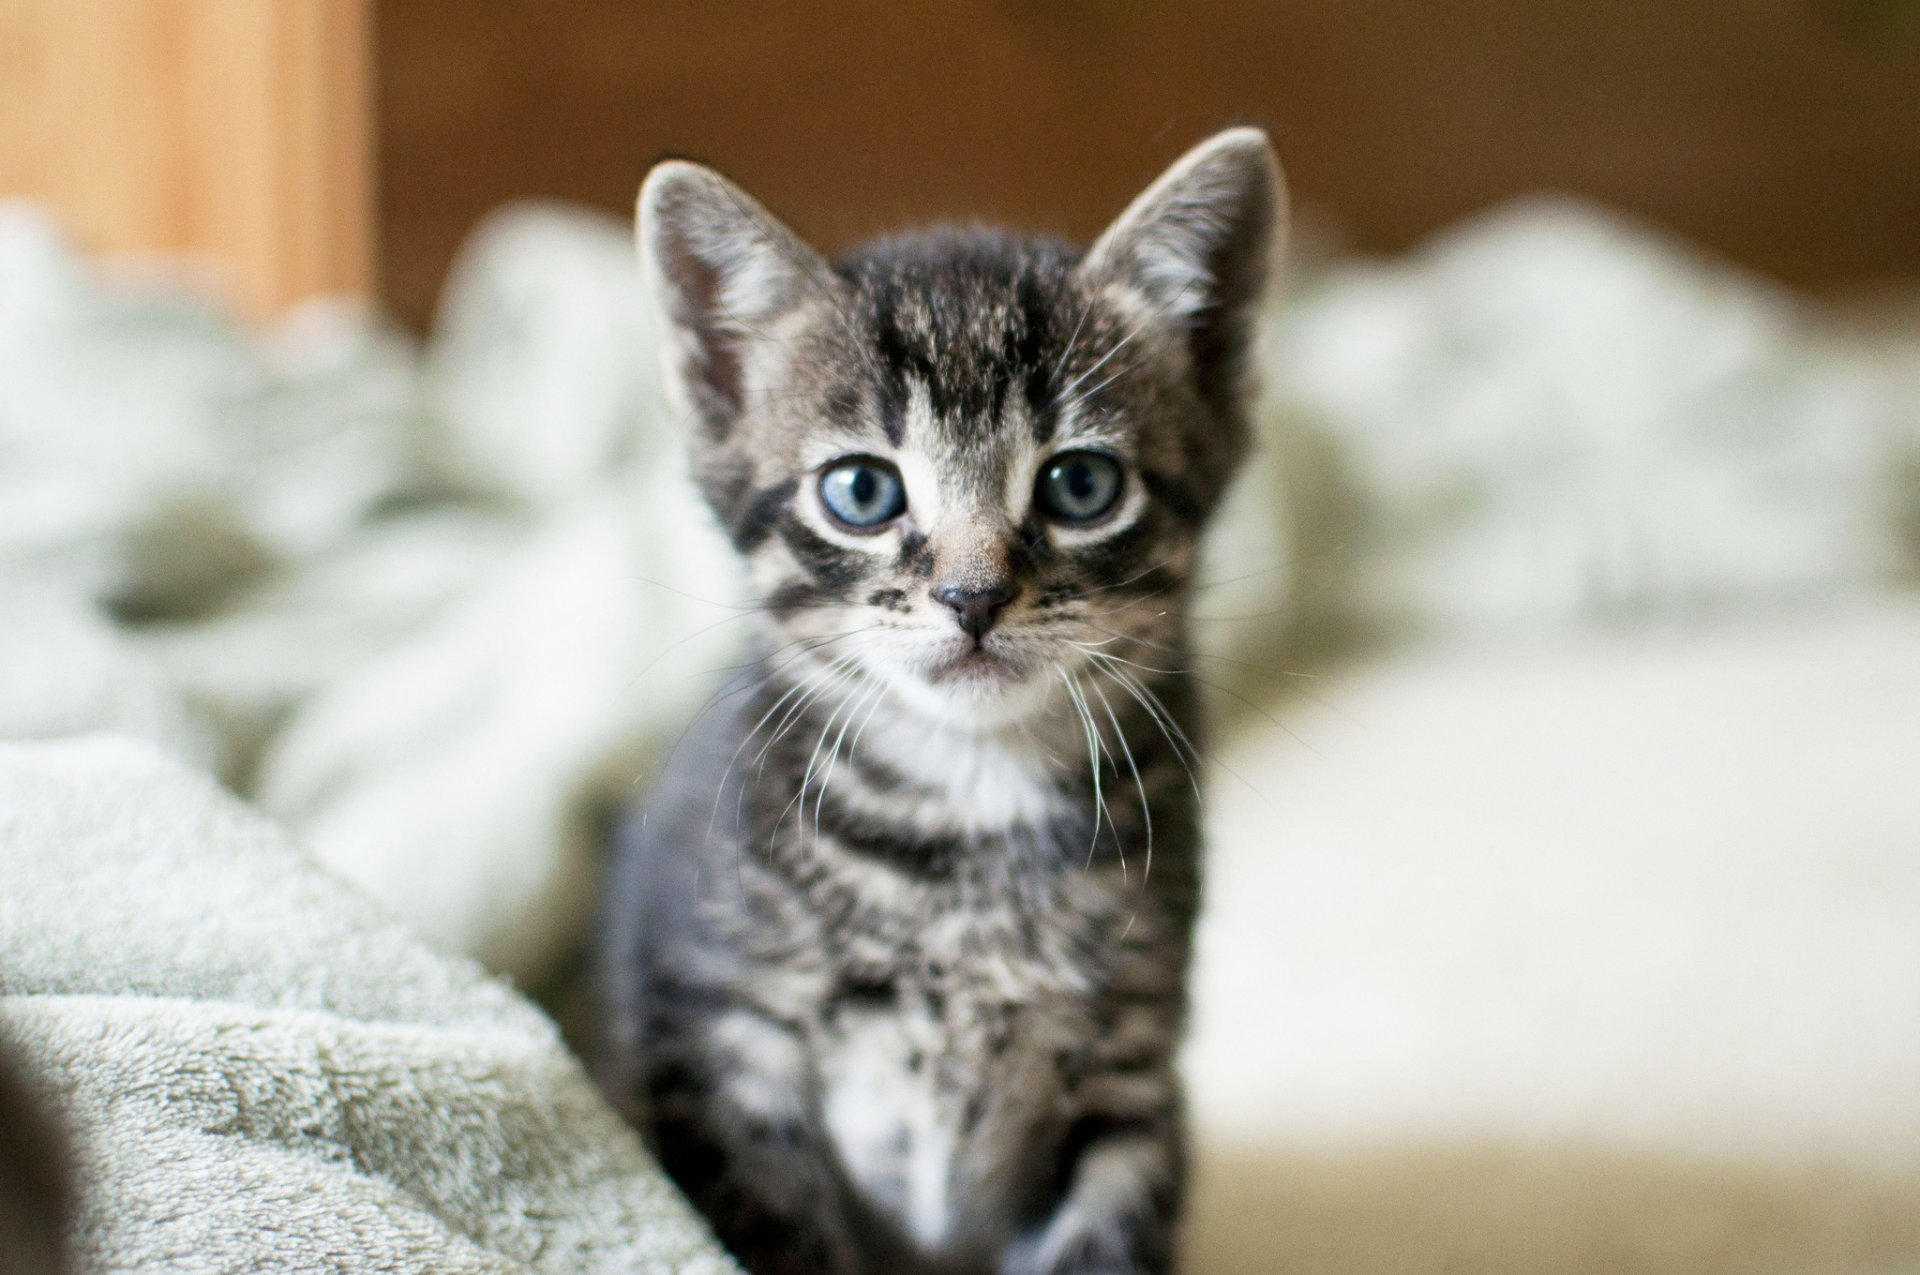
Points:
x=1199 y=246
x=720 y=269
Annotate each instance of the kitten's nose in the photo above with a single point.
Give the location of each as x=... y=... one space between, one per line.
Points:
x=975 y=609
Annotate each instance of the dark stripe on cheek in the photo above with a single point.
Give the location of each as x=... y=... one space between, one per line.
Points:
x=1189 y=506
x=916 y=555
x=829 y=564
x=1033 y=548
x=1119 y=556
x=761 y=515
x=794 y=595
x=1056 y=595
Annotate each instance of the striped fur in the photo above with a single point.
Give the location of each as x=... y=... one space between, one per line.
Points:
x=894 y=962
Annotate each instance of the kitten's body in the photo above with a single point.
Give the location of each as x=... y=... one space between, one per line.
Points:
x=895 y=965
x=931 y=1026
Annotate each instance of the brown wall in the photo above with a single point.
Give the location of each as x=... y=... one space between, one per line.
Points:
x=231 y=131
x=1786 y=133
x=1783 y=132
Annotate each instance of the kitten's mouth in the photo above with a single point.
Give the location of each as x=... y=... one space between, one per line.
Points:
x=986 y=666
x=975 y=664
x=994 y=683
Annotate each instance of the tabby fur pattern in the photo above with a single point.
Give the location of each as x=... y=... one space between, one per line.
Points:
x=893 y=964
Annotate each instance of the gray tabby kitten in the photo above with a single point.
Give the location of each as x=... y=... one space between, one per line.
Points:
x=894 y=964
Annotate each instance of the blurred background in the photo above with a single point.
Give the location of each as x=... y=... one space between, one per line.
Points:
x=1563 y=636
x=346 y=145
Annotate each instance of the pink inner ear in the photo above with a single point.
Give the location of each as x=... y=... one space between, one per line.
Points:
x=710 y=364
x=727 y=267
x=1202 y=236
x=1199 y=244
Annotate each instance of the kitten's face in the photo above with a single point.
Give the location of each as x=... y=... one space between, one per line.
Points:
x=961 y=466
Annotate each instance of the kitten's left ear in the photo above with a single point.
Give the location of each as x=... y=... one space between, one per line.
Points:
x=1200 y=246
x=722 y=270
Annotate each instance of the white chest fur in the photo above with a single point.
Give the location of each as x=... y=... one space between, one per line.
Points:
x=896 y=1131
x=979 y=783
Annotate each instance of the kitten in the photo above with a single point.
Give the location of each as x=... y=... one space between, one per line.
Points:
x=894 y=964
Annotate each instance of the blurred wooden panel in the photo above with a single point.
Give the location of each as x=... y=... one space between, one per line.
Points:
x=1783 y=132
x=233 y=130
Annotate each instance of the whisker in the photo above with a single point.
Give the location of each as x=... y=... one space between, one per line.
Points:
x=1267 y=571
x=1320 y=700
x=1157 y=716
x=833 y=756
x=806 y=779
x=745 y=681
x=791 y=718
x=699 y=632
x=727 y=773
x=1138 y=689
x=833 y=676
x=1150 y=317
x=1073 y=340
x=1144 y=668
x=853 y=745
x=1200 y=586
x=1146 y=814
x=1095 y=757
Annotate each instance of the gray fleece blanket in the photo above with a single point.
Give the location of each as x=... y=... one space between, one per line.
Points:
x=258 y=1069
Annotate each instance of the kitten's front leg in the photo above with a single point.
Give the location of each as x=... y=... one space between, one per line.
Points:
x=1122 y=1187
x=731 y=1129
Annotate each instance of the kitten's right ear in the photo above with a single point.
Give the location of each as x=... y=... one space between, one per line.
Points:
x=1199 y=247
x=720 y=269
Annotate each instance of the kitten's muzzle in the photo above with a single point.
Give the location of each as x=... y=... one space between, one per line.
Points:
x=974 y=609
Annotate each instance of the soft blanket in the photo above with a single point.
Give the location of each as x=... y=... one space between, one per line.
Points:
x=256 y=1068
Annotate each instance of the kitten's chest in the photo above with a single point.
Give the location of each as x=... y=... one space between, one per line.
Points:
x=958 y=979
x=930 y=1088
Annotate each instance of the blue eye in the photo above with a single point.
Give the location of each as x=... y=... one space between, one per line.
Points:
x=863 y=492
x=1078 y=486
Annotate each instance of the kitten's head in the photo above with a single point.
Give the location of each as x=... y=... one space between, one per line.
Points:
x=960 y=463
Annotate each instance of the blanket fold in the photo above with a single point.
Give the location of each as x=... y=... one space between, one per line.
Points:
x=257 y=1068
